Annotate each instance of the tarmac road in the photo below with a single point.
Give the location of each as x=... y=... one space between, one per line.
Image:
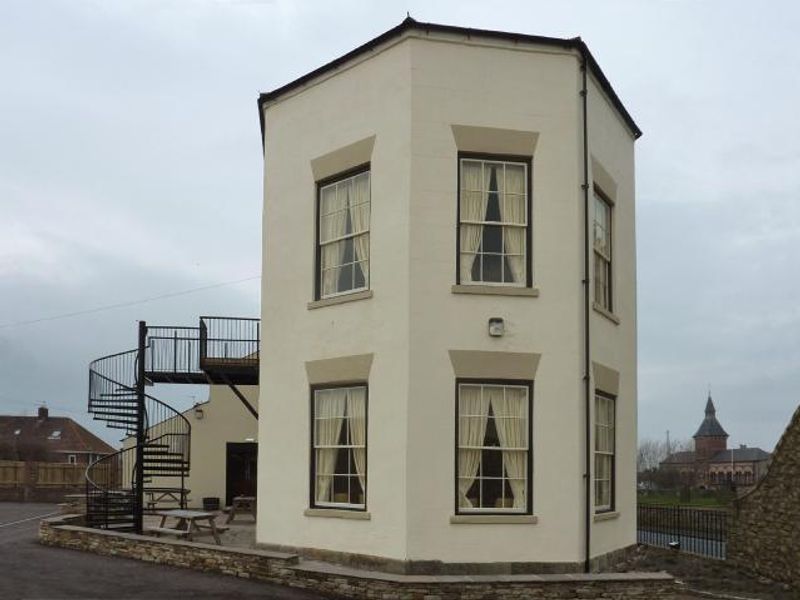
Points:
x=31 y=571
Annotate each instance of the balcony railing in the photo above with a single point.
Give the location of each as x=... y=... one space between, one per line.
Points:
x=220 y=350
x=173 y=350
x=225 y=340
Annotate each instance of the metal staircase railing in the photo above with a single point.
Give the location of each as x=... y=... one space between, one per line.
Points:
x=160 y=438
x=220 y=350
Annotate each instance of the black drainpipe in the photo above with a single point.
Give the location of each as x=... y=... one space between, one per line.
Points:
x=586 y=315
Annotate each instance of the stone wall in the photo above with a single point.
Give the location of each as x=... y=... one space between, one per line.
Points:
x=764 y=537
x=342 y=582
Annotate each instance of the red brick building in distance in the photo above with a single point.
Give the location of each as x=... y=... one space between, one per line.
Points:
x=711 y=464
x=49 y=439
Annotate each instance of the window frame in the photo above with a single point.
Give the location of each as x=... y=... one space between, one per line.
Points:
x=72 y=459
x=529 y=471
x=609 y=260
x=312 y=462
x=527 y=161
x=319 y=184
x=611 y=507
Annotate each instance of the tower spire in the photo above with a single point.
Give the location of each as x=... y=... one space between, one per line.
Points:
x=710 y=427
x=710 y=410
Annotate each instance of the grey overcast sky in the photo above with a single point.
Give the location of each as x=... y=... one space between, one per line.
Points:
x=130 y=168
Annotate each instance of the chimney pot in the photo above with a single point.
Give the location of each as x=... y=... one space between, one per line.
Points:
x=43 y=413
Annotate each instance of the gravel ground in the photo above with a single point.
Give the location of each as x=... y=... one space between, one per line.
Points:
x=30 y=571
x=707 y=575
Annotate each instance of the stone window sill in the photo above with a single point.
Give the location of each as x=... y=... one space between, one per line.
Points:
x=333 y=513
x=362 y=295
x=606 y=516
x=493 y=519
x=495 y=290
x=606 y=313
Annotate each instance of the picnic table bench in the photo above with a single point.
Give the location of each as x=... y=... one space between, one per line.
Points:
x=242 y=503
x=162 y=494
x=188 y=524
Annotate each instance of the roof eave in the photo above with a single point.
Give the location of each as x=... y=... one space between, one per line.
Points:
x=408 y=24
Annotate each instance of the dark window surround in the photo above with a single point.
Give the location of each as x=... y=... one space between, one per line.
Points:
x=613 y=491
x=529 y=485
x=610 y=203
x=526 y=160
x=312 y=496
x=362 y=168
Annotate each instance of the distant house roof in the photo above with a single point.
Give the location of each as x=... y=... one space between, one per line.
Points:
x=744 y=454
x=57 y=434
x=741 y=455
x=410 y=24
x=677 y=458
x=710 y=427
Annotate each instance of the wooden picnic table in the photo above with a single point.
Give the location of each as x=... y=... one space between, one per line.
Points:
x=240 y=504
x=157 y=494
x=188 y=524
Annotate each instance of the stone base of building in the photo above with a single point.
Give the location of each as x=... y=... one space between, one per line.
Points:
x=345 y=582
x=434 y=567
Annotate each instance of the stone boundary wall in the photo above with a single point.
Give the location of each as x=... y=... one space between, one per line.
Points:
x=341 y=582
x=764 y=536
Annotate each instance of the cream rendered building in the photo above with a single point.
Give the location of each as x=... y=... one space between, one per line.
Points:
x=223 y=447
x=440 y=308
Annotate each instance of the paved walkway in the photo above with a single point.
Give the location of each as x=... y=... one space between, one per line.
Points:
x=34 y=572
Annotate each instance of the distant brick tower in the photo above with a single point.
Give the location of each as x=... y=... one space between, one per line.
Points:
x=710 y=437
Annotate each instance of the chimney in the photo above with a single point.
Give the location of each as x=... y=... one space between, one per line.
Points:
x=742 y=446
x=43 y=413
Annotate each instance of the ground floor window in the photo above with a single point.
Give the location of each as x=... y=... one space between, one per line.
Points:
x=339 y=454
x=493 y=446
x=604 y=451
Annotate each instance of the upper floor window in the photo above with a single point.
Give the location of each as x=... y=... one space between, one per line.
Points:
x=602 y=252
x=339 y=454
x=493 y=448
x=494 y=222
x=343 y=235
x=604 y=452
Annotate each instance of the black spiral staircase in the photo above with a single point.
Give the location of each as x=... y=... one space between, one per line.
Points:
x=156 y=455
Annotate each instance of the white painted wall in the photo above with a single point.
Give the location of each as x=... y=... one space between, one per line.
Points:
x=514 y=90
x=225 y=419
x=408 y=96
x=372 y=98
x=614 y=345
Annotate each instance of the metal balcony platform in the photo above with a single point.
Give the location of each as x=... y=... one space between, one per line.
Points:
x=221 y=350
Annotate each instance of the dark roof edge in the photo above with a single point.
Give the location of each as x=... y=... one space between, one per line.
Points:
x=409 y=24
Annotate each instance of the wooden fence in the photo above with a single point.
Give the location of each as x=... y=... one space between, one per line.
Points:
x=21 y=480
x=12 y=472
